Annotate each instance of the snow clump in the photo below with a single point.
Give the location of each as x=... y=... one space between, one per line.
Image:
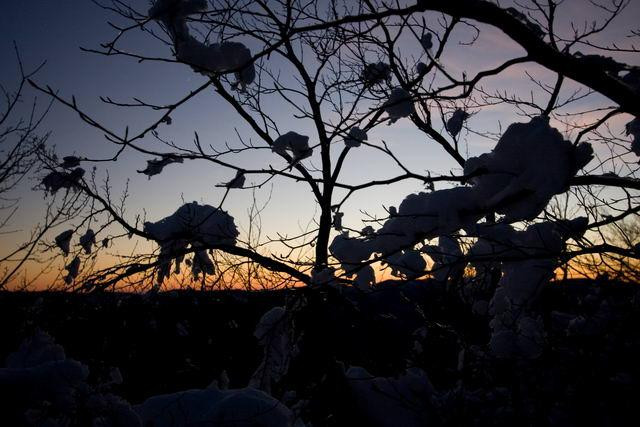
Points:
x=87 y=240
x=155 y=166
x=406 y=264
x=41 y=386
x=531 y=163
x=207 y=59
x=72 y=270
x=420 y=216
x=446 y=256
x=275 y=334
x=218 y=58
x=365 y=279
x=355 y=137
x=63 y=241
x=375 y=73
x=55 y=180
x=403 y=400
x=211 y=406
x=398 y=105
x=350 y=251
x=296 y=144
x=427 y=41
x=236 y=182
x=532 y=258
x=455 y=122
x=428 y=215
x=194 y=225
x=70 y=162
x=633 y=128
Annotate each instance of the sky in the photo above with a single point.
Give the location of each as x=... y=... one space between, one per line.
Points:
x=54 y=31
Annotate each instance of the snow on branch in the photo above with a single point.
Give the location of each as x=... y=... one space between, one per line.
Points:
x=530 y=164
x=191 y=225
x=207 y=59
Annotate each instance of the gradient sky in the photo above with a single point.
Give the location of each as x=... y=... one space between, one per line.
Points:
x=55 y=30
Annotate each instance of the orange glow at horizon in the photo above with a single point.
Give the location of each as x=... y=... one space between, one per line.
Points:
x=53 y=278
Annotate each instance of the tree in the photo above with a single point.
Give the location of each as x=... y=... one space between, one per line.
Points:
x=19 y=146
x=343 y=72
x=350 y=74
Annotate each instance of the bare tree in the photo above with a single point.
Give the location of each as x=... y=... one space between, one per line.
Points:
x=20 y=119
x=345 y=71
x=556 y=188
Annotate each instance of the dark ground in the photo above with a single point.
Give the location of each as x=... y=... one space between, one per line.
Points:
x=179 y=340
